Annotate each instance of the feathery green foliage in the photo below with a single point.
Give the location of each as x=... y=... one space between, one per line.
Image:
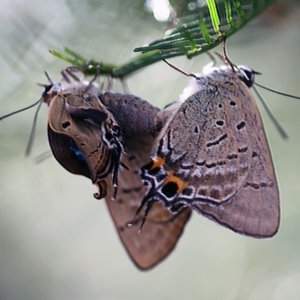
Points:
x=199 y=29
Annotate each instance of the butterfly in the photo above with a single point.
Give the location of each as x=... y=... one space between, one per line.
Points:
x=140 y=123
x=213 y=156
x=94 y=134
x=74 y=116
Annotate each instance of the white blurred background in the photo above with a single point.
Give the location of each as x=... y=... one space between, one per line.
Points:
x=57 y=241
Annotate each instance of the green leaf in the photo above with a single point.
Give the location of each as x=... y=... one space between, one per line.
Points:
x=214 y=15
x=204 y=28
x=197 y=32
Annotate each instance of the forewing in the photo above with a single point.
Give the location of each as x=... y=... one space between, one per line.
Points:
x=78 y=145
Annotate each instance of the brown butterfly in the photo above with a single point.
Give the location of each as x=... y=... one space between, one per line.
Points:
x=87 y=131
x=140 y=124
x=213 y=156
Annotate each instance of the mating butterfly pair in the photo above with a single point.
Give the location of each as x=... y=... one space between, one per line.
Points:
x=208 y=153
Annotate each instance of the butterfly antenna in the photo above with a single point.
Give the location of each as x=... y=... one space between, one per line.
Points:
x=42 y=157
x=48 y=78
x=32 y=132
x=271 y=116
x=277 y=92
x=20 y=110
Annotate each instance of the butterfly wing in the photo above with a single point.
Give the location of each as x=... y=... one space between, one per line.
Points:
x=254 y=208
x=81 y=146
x=213 y=156
x=140 y=123
x=162 y=229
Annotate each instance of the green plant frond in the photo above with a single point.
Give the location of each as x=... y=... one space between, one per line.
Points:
x=202 y=30
x=206 y=27
x=211 y=4
x=89 y=66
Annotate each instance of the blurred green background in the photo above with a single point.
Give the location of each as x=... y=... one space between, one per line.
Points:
x=56 y=241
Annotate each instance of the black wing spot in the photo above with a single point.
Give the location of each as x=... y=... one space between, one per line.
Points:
x=243 y=150
x=154 y=171
x=252 y=185
x=240 y=125
x=220 y=122
x=223 y=137
x=211 y=165
x=232 y=156
x=66 y=124
x=254 y=154
x=170 y=189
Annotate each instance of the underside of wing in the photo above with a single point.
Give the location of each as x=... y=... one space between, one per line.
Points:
x=253 y=207
x=161 y=230
x=214 y=157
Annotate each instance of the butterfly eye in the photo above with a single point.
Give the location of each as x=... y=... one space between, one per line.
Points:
x=47 y=89
x=247 y=75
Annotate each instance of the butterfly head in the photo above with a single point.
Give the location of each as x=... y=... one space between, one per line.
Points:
x=247 y=75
